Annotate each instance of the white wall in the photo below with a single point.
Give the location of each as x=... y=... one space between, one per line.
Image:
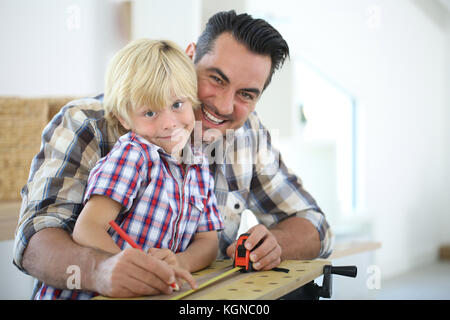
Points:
x=176 y=20
x=57 y=47
x=396 y=64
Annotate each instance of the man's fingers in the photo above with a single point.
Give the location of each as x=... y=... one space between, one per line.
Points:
x=269 y=260
x=265 y=250
x=231 y=249
x=257 y=233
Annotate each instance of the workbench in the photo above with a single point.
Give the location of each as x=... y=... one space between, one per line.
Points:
x=261 y=285
x=264 y=285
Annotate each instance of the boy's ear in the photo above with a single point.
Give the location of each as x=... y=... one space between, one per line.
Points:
x=123 y=122
x=190 y=50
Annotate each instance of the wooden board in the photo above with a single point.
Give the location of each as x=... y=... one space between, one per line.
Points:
x=349 y=248
x=261 y=285
x=9 y=216
x=444 y=252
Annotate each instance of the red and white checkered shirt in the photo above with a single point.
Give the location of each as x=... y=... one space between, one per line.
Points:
x=163 y=204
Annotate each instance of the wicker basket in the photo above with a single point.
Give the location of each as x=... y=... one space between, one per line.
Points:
x=22 y=122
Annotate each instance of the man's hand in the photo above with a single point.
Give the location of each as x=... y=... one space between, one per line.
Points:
x=293 y=238
x=267 y=255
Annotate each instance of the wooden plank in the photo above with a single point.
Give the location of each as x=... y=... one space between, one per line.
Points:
x=444 y=252
x=349 y=248
x=9 y=216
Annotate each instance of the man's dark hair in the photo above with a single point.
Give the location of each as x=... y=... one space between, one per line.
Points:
x=256 y=34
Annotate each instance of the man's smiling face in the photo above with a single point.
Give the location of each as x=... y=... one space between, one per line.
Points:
x=230 y=81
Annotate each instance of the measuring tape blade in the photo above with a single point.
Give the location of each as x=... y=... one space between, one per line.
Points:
x=206 y=283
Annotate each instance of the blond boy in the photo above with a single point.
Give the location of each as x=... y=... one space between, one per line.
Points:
x=166 y=206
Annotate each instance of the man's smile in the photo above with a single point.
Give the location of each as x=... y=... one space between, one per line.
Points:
x=211 y=117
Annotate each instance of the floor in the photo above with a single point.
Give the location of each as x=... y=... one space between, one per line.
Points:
x=430 y=282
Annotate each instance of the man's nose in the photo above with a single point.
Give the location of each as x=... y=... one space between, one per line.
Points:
x=225 y=102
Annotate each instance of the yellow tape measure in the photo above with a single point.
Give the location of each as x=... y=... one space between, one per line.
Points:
x=206 y=283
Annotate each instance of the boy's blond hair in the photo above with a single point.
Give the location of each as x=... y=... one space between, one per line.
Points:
x=147 y=73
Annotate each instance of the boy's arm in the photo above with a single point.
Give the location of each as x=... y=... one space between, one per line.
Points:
x=200 y=253
x=91 y=228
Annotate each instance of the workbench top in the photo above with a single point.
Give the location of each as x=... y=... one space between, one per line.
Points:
x=261 y=285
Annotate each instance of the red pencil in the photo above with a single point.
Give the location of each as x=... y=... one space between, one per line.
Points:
x=130 y=241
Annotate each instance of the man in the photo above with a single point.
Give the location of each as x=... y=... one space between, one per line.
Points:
x=235 y=58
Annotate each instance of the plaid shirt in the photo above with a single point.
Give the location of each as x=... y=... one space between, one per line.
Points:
x=79 y=136
x=163 y=204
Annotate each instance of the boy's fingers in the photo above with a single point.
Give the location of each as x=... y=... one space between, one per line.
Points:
x=154 y=266
x=184 y=274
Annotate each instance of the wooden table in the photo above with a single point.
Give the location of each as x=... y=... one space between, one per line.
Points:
x=261 y=285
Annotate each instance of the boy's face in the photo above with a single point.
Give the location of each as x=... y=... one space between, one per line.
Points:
x=230 y=81
x=169 y=128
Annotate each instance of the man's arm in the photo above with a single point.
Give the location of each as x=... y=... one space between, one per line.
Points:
x=129 y=273
x=298 y=228
x=298 y=239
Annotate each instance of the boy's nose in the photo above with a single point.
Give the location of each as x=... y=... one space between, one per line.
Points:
x=169 y=122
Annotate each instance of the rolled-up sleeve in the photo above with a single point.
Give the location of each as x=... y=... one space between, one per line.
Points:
x=52 y=198
x=277 y=193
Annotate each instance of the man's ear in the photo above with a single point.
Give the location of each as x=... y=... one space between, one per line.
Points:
x=190 y=50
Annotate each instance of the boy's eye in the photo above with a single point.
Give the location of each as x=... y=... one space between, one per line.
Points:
x=150 y=114
x=177 y=105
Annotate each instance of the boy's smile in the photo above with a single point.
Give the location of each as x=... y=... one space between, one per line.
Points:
x=169 y=128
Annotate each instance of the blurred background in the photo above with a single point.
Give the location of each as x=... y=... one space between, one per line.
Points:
x=361 y=112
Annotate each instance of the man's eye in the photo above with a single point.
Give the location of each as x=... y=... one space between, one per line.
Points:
x=246 y=95
x=177 y=105
x=217 y=79
x=150 y=114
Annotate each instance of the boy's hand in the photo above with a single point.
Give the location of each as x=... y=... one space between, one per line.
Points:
x=132 y=273
x=164 y=254
x=171 y=259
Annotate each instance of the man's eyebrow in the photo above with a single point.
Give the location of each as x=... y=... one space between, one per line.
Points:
x=225 y=78
x=253 y=90
x=221 y=74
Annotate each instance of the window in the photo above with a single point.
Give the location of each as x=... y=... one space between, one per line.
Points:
x=327 y=114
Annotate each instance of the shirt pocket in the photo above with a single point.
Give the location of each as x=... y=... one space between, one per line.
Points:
x=230 y=205
x=196 y=206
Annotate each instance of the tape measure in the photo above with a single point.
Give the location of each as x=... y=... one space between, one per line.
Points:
x=242 y=255
x=241 y=263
